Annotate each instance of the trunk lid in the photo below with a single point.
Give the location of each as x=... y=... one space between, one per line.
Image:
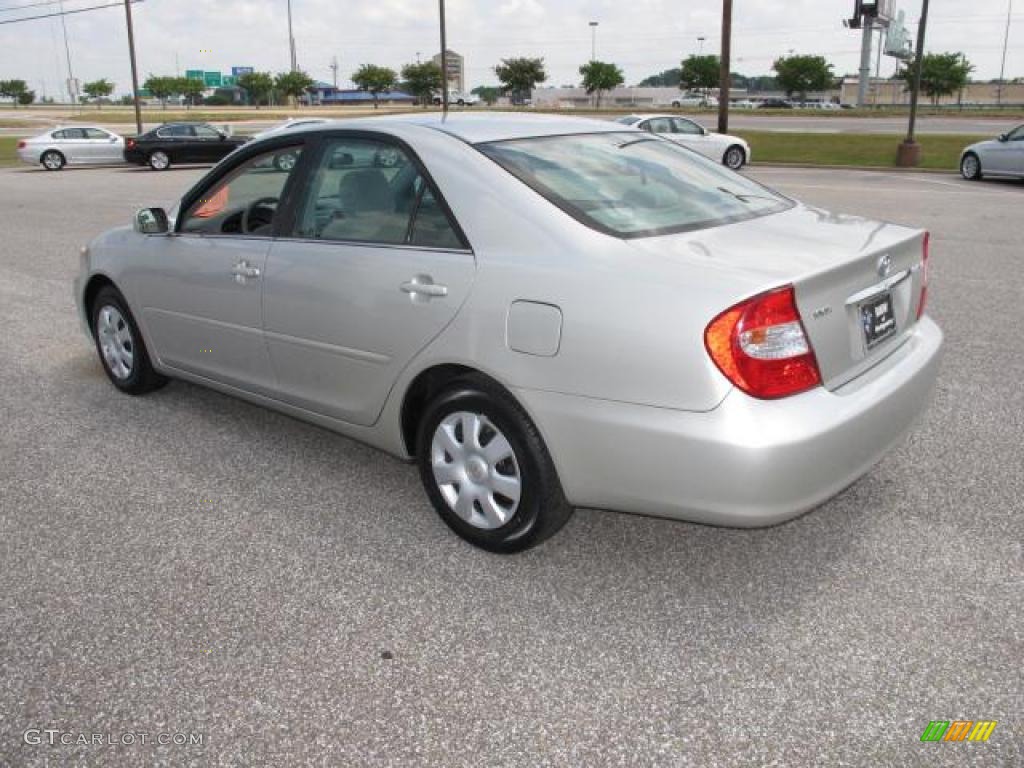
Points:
x=841 y=267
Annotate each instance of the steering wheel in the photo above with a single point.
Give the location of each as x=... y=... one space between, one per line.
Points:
x=253 y=216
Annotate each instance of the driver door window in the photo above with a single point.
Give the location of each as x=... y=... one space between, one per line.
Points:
x=245 y=202
x=659 y=125
x=686 y=126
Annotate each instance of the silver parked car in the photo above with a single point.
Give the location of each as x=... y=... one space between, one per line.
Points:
x=997 y=157
x=72 y=145
x=731 y=151
x=544 y=313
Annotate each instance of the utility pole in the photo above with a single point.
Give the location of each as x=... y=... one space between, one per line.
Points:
x=444 y=62
x=724 y=75
x=291 y=38
x=910 y=151
x=135 y=71
x=700 y=43
x=1002 y=68
x=867 y=37
x=72 y=85
x=593 y=41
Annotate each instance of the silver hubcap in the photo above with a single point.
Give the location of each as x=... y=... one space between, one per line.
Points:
x=116 y=343
x=734 y=158
x=970 y=166
x=51 y=161
x=286 y=162
x=158 y=160
x=476 y=470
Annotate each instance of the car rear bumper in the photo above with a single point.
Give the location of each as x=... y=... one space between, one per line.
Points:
x=136 y=156
x=30 y=156
x=746 y=463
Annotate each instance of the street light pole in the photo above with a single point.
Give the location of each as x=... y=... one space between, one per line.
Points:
x=1002 y=68
x=593 y=41
x=135 y=70
x=700 y=42
x=724 y=75
x=444 y=62
x=910 y=151
x=291 y=39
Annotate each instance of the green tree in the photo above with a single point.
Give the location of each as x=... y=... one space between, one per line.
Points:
x=257 y=86
x=293 y=84
x=941 y=74
x=26 y=97
x=14 y=90
x=376 y=80
x=601 y=76
x=98 y=89
x=191 y=88
x=422 y=80
x=699 y=73
x=800 y=74
x=488 y=94
x=519 y=76
x=669 y=78
x=162 y=87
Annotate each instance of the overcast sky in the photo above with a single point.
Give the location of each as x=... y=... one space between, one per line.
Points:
x=642 y=36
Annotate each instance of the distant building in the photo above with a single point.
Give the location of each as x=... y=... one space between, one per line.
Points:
x=895 y=92
x=325 y=94
x=456 y=70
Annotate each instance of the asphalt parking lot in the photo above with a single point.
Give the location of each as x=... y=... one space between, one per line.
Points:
x=186 y=563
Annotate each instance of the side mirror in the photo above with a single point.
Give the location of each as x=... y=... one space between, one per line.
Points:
x=1004 y=137
x=151 y=221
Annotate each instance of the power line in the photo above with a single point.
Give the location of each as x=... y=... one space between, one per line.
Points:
x=67 y=13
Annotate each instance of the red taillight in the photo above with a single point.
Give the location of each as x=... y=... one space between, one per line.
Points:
x=129 y=143
x=924 y=274
x=21 y=144
x=761 y=347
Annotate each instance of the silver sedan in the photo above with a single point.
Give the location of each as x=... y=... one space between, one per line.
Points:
x=72 y=145
x=544 y=313
x=1003 y=156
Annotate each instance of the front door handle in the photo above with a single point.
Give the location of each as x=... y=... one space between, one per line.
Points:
x=424 y=285
x=243 y=270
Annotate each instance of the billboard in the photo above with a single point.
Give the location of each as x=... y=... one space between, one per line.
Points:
x=897 y=40
x=237 y=71
x=212 y=79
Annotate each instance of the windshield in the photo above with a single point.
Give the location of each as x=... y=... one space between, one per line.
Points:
x=628 y=120
x=632 y=184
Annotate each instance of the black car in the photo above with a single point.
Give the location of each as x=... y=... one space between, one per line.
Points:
x=775 y=104
x=179 y=143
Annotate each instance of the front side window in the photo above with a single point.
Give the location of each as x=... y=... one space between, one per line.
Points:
x=245 y=201
x=658 y=125
x=370 y=191
x=176 y=131
x=1017 y=134
x=687 y=126
x=632 y=186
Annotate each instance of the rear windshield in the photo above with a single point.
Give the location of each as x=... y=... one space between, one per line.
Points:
x=632 y=185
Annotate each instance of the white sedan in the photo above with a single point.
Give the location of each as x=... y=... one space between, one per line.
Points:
x=72 y=145
x=731 y=151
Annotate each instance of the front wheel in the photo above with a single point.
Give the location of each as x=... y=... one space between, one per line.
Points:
x=120 y=346
x=486 y=469
x=53 y=160
x=970 y=167
x=734 y=158
x=285 y=161
x=159 y=161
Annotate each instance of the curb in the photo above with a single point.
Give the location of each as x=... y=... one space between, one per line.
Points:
x=873 y=168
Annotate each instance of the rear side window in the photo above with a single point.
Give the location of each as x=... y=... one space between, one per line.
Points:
x=70 y=133
x=633 y=185
x=96 y=133
x=177 y=131
x=370 y=191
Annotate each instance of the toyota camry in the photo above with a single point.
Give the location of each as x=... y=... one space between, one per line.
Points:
x=543 y=313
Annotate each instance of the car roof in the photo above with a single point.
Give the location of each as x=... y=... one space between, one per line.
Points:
x=480 y=128
x=649 y=115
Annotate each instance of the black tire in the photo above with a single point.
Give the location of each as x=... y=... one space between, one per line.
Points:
x=159 y=160
x=542 y=507
x=461 y=102
x=734 y=158
x=142 y=377
x=285 y=161
x=52 y=160
x=970 y=171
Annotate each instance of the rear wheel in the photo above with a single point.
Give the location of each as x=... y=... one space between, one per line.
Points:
x=52 y=160
x=159 y=160
x=734 y=158
x=120 y=346
x=970 y=167
x=285 y=161
x=486 y=469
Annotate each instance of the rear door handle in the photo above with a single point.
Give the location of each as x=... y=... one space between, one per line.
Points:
x=424 y=285
x=244 y=269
